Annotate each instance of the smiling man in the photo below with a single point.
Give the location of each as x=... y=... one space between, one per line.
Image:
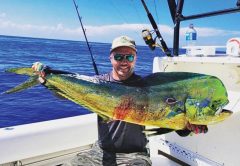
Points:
x=123 y=57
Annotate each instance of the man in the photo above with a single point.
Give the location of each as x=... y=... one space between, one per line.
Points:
x=119 y=142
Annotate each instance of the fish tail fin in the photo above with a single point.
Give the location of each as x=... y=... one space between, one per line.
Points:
x=22 y=71
x=29 y=83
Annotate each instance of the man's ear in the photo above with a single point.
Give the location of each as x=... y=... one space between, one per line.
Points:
x=110 y=57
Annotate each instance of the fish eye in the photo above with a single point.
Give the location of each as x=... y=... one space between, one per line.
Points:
x=212 y=105
x=171 y=101
x=215 y=104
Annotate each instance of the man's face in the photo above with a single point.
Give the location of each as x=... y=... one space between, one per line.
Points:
x=123 y=60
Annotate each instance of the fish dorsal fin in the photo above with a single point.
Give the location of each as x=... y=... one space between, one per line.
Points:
x=168 y=77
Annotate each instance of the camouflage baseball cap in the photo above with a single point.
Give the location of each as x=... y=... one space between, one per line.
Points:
x=123 y=41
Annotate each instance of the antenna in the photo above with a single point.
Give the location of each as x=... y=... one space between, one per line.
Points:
x=84 y=32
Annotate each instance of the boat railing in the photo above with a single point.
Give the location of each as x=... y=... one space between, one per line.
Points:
x=177 y=16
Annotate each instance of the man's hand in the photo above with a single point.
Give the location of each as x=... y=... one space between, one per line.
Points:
x=197 y=128
x=38 y=67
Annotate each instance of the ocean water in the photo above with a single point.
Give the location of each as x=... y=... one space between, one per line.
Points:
x=37 y=103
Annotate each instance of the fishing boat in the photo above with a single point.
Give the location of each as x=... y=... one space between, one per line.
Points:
x=57 y=141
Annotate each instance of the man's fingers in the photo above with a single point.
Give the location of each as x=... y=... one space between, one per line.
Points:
x=205 y=130
x=197 y=128
x=38 y=67
x=41 y=80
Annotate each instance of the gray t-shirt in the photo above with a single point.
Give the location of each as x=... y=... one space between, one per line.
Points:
x=119 y=136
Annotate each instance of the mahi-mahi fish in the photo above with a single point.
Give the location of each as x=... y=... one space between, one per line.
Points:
x=165 y=99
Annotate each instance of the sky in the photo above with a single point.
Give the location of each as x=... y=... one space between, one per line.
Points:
x=107 y=19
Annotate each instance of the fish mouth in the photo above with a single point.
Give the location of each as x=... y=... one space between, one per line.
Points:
x=221 y=110
x=226 y=111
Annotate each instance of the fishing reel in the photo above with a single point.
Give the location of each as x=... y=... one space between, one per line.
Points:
x=147 y=37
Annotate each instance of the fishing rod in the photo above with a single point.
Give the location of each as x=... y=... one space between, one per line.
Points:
x=84 y=32
x=148 y=38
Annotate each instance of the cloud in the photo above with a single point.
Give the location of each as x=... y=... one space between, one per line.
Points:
x=121 y=29
x=2 y=15
x=104 y=33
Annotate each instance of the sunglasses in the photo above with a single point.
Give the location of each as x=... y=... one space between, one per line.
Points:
x=120 y=57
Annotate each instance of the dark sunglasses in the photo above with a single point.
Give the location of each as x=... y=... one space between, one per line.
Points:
x=120 y=57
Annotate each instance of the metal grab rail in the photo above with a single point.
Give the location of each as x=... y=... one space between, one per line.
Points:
x=176 y=13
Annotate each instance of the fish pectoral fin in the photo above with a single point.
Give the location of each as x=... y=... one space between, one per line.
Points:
x=28 y=84
x=157 y=131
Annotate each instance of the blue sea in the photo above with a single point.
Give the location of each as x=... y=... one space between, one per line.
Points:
x=37 y=103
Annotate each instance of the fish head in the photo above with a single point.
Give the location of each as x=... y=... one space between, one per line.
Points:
x=206 y=103
x=206 y=111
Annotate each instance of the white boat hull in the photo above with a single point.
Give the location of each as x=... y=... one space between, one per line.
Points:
x=45 y=142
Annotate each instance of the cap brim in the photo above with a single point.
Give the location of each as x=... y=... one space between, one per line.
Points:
x=132 y=47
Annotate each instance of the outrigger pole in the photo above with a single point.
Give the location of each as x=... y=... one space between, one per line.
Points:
x=89 y=48
x=155 y=27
